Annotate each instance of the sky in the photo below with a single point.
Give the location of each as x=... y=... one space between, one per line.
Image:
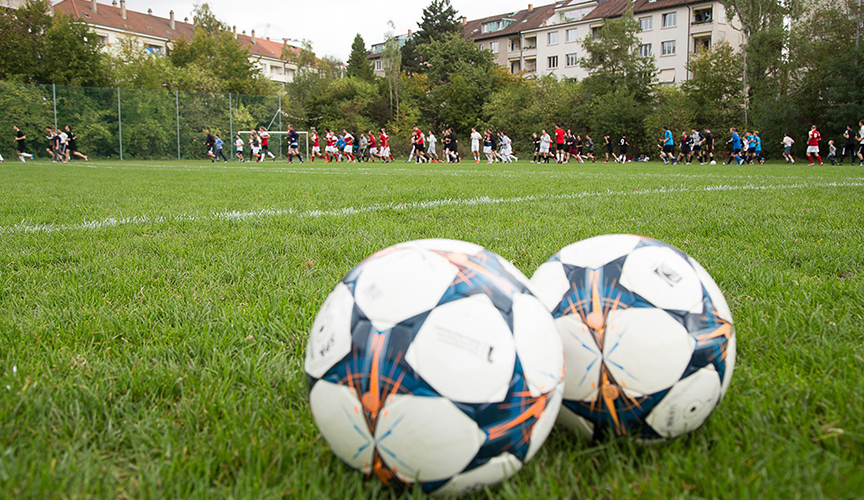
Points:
x=332 y=25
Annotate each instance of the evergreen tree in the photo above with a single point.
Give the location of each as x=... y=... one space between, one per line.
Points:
x=438 y=22
x=358 y=65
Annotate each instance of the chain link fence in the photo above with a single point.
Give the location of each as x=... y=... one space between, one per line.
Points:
x=116 y=123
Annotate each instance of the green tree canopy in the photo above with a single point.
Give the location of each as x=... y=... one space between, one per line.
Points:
x=358 y=64
x=438 y=22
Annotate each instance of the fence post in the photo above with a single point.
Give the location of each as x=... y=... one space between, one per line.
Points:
x=177 y=109
x=54 y=94
x=119 y=124
x=280 y=125
x=230 y=126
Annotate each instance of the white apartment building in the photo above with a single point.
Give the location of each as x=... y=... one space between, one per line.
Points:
x=672 y=31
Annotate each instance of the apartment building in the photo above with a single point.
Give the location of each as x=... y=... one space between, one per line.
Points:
x=548 y=40
x=376 y=52
x=113 y=23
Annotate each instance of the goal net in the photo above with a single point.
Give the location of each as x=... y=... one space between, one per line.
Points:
x=278 y=144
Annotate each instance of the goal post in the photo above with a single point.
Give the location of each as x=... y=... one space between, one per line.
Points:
x=278 y=143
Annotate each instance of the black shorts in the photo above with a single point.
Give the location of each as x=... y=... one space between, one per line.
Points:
x=609 y=149
x=72 y=147
x=536 y=148
x=736 y=152
x=559 y=147
x=685 y=151
x=697 y=148
x=419 y=148
x=623 y=151
x=21 y=147
x=669 y=149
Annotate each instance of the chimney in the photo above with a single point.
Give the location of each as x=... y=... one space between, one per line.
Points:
x=530 y=7
x=149 y=12
x=93 y=6
x=186 y=20
x=409 y=33
x=268 y=38
x=123 y=9
x=253 y=38
x=173 y=25
x=235 y=31
x=464 y=20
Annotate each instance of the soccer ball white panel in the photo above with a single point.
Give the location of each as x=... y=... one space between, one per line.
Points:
x=646 y=350
x=339 y=416
x=426 y=439
x=576 y=423
x=713 y=291
x=465 y=351
x=549 y=283
x=444 y=245
x=687 y=405
x=497 y=469
x=330 y=337
x=582 y=357
x=730 y=365
x=664 y=278
x=596 y=252
x=538 y=344
x=387 y=289
x=544 y=424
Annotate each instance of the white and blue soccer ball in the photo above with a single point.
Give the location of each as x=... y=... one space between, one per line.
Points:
x=649 y=342
x=431 y=365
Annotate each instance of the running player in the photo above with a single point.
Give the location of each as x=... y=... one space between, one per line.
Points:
x=813 y=145
x=507 y=148
x=238 y=145
x=787 y=148
x=697 y=140
x=373 y=146
x=757 y=145
x=708 y=147
x=62 y=138
x=384 y=139
x=735 y=142
x=609 y=148
x=487 y=146
x=293 y=144
x=623 y=144
x=72 y=145
x=419 y=145
x=475 y=144
x=316 y=146
x=668 y=153
x=21 y=144
x=589 y=144
x=265 y=143
x=52 y=148
x=255 y=146
x=219 y=144
x=210 y=145
x=545 y=145
x=559 y=143
x=860 y=139
x=848 y=145
x=535 y=140
x=330 y=148
x=431 y=141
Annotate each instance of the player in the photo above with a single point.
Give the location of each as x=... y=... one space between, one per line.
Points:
x=684 y=150
x=708 y=147
x=348 y=140
x=238 y=145
x=210 y=145
x=623 y=144
x=589 y=144
x=255 y=146
x=507 y=148
x=848 y=145
x=813 y=139
x=384 y=141
x=219 y=153
x=487 y=146
x=475 y=144
x=316 y=146
x=860 y=139
x=72 y=145
x=62 y=139
x=52 y=144
x=293 y=139
x=432 y=150
x=330 y=148
x=559 y=144
x=419 y=145
x=607 y=140
x=21 y=144
x=787 y=148
x=545 y=145
x=667 y=153
x=735 y=142
x=265 y=144
x=696 y=141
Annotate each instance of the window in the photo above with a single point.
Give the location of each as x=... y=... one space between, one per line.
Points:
x=595 y=32
x=530 y=43
x=645 y=50
x=572 y=60
x=571 y=35
x=377 y=49
x=553 y=38
x=494 y=26
x=482 y=47
x=493 y=46
x=378 y=65
x=153 y=49
x=646 y=23
x=514 y=45
x=670 y=20
x=701 y=44
x=514 y=67
x=552 y=62
x=669 y=48
x=704 y=15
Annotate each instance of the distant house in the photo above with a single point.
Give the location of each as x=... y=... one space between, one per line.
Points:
x=376 y=53
x=157 y=34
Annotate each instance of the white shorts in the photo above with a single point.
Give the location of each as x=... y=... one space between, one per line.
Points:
x=813 y=149
x=544 y=149
x=475 y=146
x=255 y=150
x=349 y=150
x=373 y=151
x=385 y=152
x=431 y=150
x=330 y=149
x=316 y=149
x=487 y=150
x=506 y=151
x=240 y=149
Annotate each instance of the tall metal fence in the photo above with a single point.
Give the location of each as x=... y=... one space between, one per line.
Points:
x=115 y=123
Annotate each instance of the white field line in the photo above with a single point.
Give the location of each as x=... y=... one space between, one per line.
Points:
x=397 y=207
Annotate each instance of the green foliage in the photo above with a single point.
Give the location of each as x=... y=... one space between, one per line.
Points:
x=438 y=22
x=358 y=64
x=715 y=89
x=40 y=48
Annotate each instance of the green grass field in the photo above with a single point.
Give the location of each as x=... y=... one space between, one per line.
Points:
x=153 y=319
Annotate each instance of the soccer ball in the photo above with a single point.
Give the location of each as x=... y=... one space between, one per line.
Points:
x=713 y=162
x=432 y=365
x=649 y=343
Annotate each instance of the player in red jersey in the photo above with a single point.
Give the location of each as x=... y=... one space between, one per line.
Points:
x=419 y=142
x=265 y=143
x=373 y=146
x=349 y=145
x=385 y=147
x=330 y=137
x=813 y=145
x=559 y=143
x=316 y=146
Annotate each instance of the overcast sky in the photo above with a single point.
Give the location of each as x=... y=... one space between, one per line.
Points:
x=329 y=25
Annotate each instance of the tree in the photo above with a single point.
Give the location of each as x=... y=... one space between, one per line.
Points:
x=613 y=61
x=438 y=21
x=715 y=91
x=40 y=48
x=392 y=61
x=358 y=64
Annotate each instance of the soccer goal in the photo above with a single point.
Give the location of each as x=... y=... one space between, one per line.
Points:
x=278 y=144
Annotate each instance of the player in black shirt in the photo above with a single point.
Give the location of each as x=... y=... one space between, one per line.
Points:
x=72 y=145
x=210 y=146
x=536 y=140
x=21 y=145
x=589 y=144
x=708 y=148
x=623 y=144
x=848 y=145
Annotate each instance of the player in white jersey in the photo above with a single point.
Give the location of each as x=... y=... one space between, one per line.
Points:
x=238 y=145
x=506 y=148
x=431 y=149
x=475 y=144
x=545 y=144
